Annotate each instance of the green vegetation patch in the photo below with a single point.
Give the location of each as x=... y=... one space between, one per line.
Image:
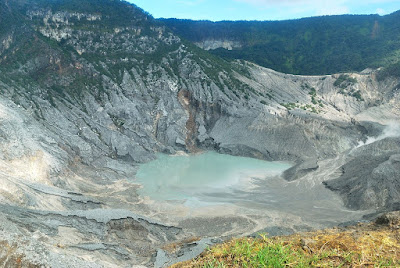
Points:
x=305 y=107
x=344 y=81
x=290 y=105
x=357 y=95
x=392 y=70
x=364 y=246
x=318 y=45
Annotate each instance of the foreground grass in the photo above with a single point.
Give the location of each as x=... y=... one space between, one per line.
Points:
x=369 y=245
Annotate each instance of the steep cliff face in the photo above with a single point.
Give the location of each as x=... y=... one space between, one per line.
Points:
x=145 y=86
x=218 y=43
x=91 y=88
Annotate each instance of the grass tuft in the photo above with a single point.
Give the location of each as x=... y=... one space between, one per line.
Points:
x=358 y=246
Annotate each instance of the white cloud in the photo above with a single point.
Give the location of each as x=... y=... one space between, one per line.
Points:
x=318 y=7
x=333 y=10
x=380 y=11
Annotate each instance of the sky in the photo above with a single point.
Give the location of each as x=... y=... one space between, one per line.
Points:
x=217 y=10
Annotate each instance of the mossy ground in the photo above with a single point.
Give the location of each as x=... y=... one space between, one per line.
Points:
x=367 y=245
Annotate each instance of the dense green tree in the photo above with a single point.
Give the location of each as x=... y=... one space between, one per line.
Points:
x=317 y=45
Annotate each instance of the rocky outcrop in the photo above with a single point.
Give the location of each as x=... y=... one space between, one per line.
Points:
x=370 y=178
x=94 y=230
x=214 y=44
x=300 y=169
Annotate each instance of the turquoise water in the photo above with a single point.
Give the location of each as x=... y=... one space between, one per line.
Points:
x=192 y=177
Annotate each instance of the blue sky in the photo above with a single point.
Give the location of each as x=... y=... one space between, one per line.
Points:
x=262 y=9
